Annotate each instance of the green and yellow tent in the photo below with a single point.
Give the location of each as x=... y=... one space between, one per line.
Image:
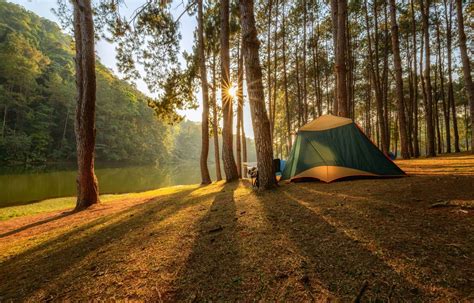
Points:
x=331 y=147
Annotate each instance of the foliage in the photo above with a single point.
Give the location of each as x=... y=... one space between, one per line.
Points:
x=147 y=48
x=310 y=70
x=37 y=102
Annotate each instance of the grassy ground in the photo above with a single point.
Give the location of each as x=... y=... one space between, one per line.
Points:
x=55 y=204
x=406 y=239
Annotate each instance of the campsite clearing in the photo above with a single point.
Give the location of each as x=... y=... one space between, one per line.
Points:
x=405 y=239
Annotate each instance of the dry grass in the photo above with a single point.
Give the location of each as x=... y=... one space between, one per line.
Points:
x=224 y=242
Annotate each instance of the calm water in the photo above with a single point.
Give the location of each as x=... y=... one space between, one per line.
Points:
x=18 y=187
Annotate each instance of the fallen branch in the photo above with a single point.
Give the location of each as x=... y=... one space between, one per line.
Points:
x=442 y=204
x=214 y=230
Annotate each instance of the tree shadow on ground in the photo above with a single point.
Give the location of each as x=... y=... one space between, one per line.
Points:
x=333 y=260
x=424 y=244
x=43 y=271
x=35 y=224
x=212 y=270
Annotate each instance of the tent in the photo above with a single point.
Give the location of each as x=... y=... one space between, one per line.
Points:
x=331 y=147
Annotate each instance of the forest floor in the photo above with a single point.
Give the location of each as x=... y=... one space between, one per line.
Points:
x=406 y=239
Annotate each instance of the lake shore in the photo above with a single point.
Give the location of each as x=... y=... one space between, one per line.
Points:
x=407 y=239
x=23 y=188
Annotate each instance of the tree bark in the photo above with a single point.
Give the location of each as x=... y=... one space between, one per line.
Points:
x=205 y=177
x=448 y=14
x=397 y=62
x=215 y=126
x=368 y=126
x=334 y=19
x=316 y=79
x=466 y=126
x=87 y=185
x=305 y=93
x=240 y=100
x=375 y=76
x=435 y=104
x=466 y=66
x=253 y=71
x=425 y=8
x=230 y=168
x=341 y=58
x=385 y=78
x=416 y=143
x=442 y=91
x=269 y=62
x=409 y=105
x=244 y=144
x=285 y=81
x=423 y=90
x=275 y=67
x=298 y=86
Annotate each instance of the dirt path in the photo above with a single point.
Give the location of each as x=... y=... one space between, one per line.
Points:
x=406 y=239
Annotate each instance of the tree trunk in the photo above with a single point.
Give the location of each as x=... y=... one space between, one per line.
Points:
x=269 y=62
x=416 y=143
x=425 y=8
x=442 y=92
x=205 y=177
x=466 y=66
x=316 y=78
x=385 y=78
x=466 y=125
x=423 y=89
x=260 y=122
x=410 y=99
x=244 y=144
x=63 y=137
x=285 y=81
x=435 y=115
x=230 y=168
x=397 y=62
x=334 y=19
x=448 y=14
x=305 y=93
x=87 y=185
x=275 y=79
x=375 y=76
x=215 y=126
x=5 y=111
x=368 y=127
x=326 y=81
x=298 y=86
x=341 y=58
x=240 y=100
x=350 y=75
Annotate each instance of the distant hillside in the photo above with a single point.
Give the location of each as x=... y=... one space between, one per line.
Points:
x=37 y=102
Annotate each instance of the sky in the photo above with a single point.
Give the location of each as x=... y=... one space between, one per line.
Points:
x=106 y=51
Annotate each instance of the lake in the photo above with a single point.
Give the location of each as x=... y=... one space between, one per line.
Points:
x=20 y=185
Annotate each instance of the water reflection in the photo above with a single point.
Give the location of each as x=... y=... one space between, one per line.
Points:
x=31 y=185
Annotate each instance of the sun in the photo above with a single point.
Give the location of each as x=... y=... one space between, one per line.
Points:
x=232 y=91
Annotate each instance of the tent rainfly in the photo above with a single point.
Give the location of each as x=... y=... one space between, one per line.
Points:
x=331 y=148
